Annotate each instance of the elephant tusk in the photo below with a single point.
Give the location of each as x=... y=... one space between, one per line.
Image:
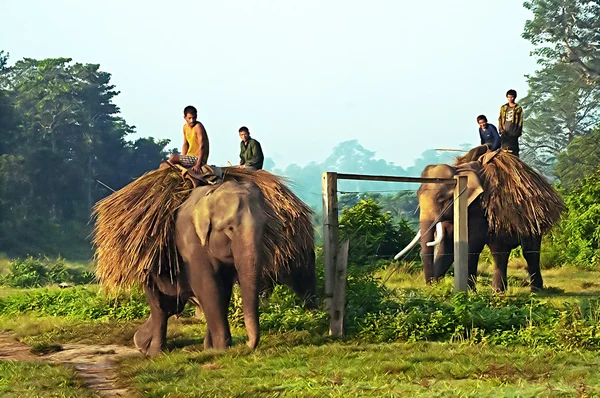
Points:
x=439 y=235
x=410 y=246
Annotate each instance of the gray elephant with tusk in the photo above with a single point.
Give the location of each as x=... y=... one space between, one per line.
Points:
x=509 y=205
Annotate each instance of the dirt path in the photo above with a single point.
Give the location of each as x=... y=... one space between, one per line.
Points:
x=93 y=363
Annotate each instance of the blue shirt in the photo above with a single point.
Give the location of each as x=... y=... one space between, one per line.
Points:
x=490 y=136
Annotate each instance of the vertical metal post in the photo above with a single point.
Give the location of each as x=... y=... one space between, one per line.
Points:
x=461 y=234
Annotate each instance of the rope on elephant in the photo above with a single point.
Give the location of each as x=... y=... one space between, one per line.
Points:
x=517 y=200
x=134 y=230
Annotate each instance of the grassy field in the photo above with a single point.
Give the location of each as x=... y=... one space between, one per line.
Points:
x=27 y=379
x=308 y=364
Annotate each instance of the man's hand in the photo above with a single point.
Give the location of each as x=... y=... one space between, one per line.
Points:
x=197 y=168
x=242 y=166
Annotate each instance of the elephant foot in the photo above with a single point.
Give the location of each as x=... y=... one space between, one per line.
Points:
x=142 y=340
x=536 y=289
x=145 y=342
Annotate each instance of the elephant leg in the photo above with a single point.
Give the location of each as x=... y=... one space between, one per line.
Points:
x=445 y=253
x=476 y=245
x=207 y=288
x=531 y=253
x=151 y=337
x=500 y=253
x=249 y=277
x=226 y=276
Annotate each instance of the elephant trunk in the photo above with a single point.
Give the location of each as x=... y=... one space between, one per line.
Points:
x=427 y=251
x=248 y=263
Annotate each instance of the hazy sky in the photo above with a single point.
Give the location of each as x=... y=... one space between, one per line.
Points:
x=399 y=76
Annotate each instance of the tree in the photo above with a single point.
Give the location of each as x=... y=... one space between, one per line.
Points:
x=372 y=232
x=566 y=31
x=561 y=105
x=580 y=160
x=61 y=133
x=578 y=235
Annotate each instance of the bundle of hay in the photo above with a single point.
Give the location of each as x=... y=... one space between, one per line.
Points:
x=516 y=199
x=135 y=226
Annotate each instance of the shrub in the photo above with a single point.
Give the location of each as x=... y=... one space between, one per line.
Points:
x=38 y=272
x=373 y=233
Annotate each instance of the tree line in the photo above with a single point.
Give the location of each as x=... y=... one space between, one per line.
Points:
x=61 y=139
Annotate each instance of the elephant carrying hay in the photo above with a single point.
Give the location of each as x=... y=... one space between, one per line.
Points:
x=180 y=242
x=510 y=204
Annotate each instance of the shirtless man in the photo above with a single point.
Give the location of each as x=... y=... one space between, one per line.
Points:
x=194 y=152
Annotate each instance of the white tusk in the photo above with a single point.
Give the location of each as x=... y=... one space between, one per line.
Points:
x=439 y=235
x=410 y=246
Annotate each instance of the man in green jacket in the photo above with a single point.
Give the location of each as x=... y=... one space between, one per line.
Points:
x=251 y=155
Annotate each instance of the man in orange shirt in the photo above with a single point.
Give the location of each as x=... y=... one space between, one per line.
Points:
x=194 y=152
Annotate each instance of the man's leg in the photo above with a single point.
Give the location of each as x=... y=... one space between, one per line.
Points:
x=184 y=160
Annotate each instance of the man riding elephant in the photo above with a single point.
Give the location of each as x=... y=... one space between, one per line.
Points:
x=179 y=245
x=510 y=205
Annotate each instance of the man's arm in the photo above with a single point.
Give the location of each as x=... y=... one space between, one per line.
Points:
x=201 y=138
x=481 y=136
x=519 y=121
x=242 y=160
x=501 y=121
x=257 y=155
x=186 y=145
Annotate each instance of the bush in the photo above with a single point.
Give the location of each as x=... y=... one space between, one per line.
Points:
x=78 y=303
x=373 y=233
x=577 y=236
x=39 y=272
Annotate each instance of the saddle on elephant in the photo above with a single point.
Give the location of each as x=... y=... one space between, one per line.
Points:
x=209 y=175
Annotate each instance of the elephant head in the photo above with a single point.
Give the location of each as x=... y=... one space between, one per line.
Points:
x=437 y=215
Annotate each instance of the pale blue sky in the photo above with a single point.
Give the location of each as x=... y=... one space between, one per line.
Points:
x=399 y=76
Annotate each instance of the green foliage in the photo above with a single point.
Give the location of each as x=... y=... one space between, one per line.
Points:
x=372 y=232
x=61 y=134
x=566 y=31
x=38 y=272
x=580 y=159
x=560 y=106
x=578 y=233
x=77 y=303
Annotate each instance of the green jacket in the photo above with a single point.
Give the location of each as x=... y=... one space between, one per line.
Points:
x=510 y=135
x=251 y=155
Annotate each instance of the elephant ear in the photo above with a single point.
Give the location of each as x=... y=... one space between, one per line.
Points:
x=202 y=219
x=472 y=170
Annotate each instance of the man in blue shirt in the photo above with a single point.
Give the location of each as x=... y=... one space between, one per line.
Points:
x=488 y=133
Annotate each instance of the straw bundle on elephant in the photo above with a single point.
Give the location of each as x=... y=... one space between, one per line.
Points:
x=516 y=199
x=135 y=226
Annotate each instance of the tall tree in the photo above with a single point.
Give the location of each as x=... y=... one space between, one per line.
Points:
x=580 y=160
x=561 y=105
x=566 y=31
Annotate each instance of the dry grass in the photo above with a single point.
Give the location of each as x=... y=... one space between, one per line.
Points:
x=517 y=200
x=134 y=229
x=135 y=226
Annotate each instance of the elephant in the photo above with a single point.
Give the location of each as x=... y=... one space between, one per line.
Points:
x=437 y=224
x=219 y=232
